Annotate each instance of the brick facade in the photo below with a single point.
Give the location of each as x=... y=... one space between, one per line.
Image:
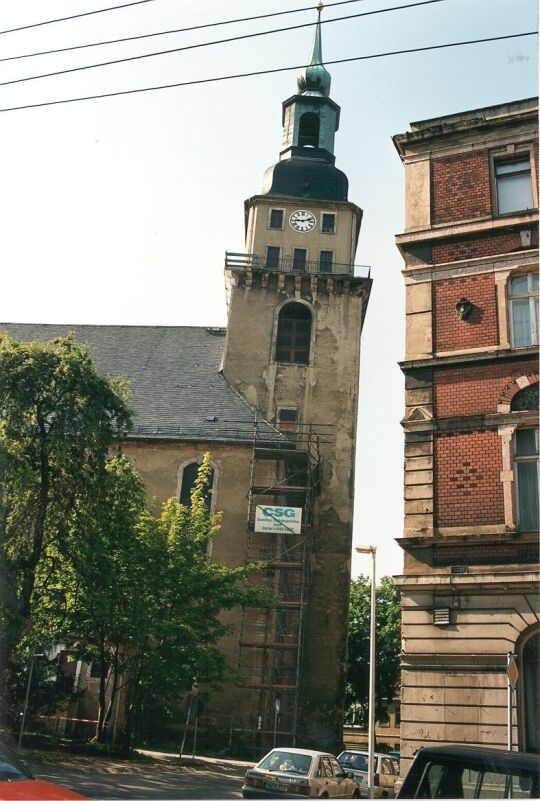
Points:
x=480 y=328
x=460 y=187
x=465 y=548
x=472 y=389
x=467 y=478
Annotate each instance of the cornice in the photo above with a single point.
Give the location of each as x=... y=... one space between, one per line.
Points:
x=466 y=228
x=508 y=354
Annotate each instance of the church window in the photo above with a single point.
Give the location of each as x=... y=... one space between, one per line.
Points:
x=513 y=183
x=189 y=477
x=299 y=260
x=272 y=257
x=293 y=334
x=523 y=293
x=326 y=261
x=328 y=223
x=309 y=130
x=526 y=478
x=276 y=219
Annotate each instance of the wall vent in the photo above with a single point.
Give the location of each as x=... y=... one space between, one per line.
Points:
x=441 y=617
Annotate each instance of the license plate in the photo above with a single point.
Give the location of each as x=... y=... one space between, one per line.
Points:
x=280 y=788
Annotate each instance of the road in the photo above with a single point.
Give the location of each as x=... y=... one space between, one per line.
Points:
x=161 y=778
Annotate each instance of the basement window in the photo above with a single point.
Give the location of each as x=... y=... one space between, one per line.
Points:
x=441 y=617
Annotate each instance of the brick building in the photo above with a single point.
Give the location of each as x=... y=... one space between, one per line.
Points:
x=470 y=582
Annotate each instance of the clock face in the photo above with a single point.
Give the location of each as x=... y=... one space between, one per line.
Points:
x=302 y=220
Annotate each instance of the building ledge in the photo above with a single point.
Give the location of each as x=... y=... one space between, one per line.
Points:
x=478 y=225
x=464 y=357
x=510 y=578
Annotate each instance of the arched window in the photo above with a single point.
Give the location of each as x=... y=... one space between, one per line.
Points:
x=293 y=334
x=189 y=477
x=308 y=135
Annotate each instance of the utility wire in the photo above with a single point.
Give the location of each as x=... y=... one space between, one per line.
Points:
x=266 y=72
x=174 y=30
x=75 y=16
x=214 y=42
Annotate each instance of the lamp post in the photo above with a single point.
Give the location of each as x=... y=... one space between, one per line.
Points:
x=371 y=714
x=40 y=651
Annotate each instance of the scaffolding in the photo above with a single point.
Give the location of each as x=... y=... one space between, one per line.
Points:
x=284 y=472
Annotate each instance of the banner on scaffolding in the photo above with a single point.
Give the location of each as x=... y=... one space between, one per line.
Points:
x=278 y=519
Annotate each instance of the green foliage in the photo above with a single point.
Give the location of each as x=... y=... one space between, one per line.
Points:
x=388 y=644
x=58 y=418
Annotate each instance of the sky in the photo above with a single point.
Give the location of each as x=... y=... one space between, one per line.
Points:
x=120 y=210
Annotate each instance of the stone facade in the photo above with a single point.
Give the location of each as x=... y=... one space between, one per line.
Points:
x=470 y=583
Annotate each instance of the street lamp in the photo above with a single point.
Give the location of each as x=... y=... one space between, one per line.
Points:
x=371 y=714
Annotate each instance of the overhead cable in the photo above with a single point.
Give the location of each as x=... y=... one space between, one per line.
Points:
x=214 y=42
x=173 y=30
x=265 y=72
x=75 y=16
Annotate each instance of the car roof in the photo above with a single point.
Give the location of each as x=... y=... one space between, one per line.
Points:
x=364 y=753
x=481 y=753
x=305 y=751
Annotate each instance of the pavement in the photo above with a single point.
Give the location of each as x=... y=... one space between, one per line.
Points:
x=158 y=775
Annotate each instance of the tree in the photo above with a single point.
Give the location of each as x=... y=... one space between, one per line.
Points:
x=58 y=418
x=138 y=595
x=388 y=644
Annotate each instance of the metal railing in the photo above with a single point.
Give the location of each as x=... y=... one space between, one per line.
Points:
x=291 y=265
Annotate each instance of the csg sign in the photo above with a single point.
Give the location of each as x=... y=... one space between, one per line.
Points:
x=278 y=519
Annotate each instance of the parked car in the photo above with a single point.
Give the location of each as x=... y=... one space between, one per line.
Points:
x=290 y=772
x=471 y=772
x=17 y=781
x=386 y=772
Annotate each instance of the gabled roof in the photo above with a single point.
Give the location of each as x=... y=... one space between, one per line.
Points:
x=177 y=390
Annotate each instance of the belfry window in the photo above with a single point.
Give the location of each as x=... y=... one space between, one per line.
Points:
x=308 y=135
x=293 y=334
x=189 y=477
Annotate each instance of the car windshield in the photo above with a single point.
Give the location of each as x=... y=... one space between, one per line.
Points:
x=350 y=759
x=11 y=768
x=286 y=762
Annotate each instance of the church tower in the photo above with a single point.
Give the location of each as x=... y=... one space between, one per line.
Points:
x=296 y=305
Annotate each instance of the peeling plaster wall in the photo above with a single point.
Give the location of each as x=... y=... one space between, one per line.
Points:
x=326 y=392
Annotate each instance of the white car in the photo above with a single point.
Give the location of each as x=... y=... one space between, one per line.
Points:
x=293 y=772
x=385 y=775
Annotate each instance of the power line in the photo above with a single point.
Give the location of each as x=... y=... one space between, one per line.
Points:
x=215 y=42
x=266 y=72
x=75 y=16
x=174 y=30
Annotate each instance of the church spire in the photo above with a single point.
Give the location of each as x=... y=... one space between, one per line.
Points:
x=315 y=79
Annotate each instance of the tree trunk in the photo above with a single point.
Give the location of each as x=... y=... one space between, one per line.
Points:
x=102 y=695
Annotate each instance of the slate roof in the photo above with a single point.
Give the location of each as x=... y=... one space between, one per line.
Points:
x=174 y=374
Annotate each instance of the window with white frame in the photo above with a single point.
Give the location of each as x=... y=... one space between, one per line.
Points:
x=523 y=295
x=513 y=183
x=526 y=478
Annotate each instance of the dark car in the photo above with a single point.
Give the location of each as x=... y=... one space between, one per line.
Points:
x=471 y=772
x=17 y=782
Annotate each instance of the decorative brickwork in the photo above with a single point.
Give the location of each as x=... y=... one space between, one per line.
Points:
x=468 y=489
x=460 y=187
x=510 y=390
x=480 y=328
x=475 y=388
